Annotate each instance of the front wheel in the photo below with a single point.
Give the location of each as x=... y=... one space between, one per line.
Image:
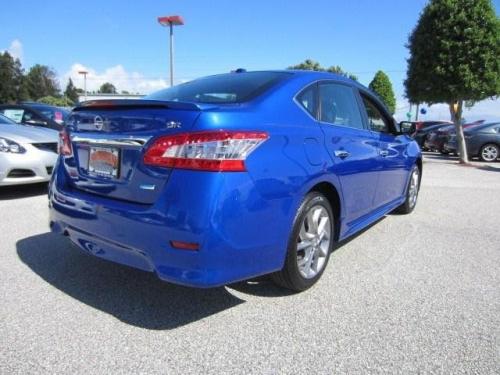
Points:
x=309 y=245
x=411 y=192
x=489 y=152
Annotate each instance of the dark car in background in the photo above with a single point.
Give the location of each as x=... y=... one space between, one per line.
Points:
x=482 y=141
x=421 y=134
x=420 y=125
x=35 y=114
x=436 y=139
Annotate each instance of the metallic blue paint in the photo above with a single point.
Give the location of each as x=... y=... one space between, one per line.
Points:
x=242 y=221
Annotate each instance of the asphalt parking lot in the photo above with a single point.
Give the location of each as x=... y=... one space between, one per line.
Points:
x=412 y=294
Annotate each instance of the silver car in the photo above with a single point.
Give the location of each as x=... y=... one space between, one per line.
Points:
x=27 y=153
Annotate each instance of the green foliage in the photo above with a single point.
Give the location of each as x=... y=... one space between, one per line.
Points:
x=107 y=88
x=382 y=86
x=337 y=69
x=314 y=65
x=308 y=65
x=455 y=53
x=12 y=85
x=71 y=92
x=63 y=101
x=41 y=81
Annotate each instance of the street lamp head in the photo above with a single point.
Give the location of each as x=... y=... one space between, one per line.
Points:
x=171 y=20
x=82 y=72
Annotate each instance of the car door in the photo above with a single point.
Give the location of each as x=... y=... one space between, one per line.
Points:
x=352 y=148
x=392 y=155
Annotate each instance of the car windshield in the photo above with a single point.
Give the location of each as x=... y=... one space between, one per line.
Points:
x=6 y=121
x=223 y=88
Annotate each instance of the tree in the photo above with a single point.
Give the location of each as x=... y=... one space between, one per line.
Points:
x=309 y=64
x=338 y=70
x=107 y=88
x=63 y=101
x=454 y=57
x=41 y=81
x=71 y=91
x=12 y=88
x=382 y=86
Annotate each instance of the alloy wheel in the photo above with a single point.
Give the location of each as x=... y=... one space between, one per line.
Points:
x=313 y=243
x=489 y=153
x=413 y=189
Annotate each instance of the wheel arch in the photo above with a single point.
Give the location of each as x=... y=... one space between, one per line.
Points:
x=331 y=193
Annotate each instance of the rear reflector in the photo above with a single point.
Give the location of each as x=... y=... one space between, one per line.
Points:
x=208 y=151
x=184 y=245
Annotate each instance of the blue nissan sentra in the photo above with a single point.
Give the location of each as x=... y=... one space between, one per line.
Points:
x=232 y=176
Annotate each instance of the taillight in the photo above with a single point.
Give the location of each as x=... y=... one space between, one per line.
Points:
x=208 y=151
x=64 y=143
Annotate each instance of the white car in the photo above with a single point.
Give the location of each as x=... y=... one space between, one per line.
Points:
x=27 y=153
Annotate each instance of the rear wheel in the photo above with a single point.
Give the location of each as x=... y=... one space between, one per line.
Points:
x=411 y=192
x=489 y=152
x=309 y=245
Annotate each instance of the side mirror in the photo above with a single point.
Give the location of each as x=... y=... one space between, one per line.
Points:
x=407 y=127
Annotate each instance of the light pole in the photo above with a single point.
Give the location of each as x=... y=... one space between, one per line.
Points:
x=84 y=73
x=171 y=21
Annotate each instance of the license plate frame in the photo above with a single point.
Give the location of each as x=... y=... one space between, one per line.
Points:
x=104 y=162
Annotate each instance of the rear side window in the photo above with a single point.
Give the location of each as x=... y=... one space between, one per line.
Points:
x=307 y=99
x=338 y=105
x=223 y=88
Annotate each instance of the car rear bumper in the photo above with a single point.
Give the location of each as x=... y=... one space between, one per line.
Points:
x=239 y=234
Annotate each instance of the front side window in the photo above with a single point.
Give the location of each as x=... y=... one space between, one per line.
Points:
x=223 y=88
x=338 y=105
x=376 y=119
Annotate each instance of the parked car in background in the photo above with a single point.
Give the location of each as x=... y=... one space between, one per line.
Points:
x=420 y=125
x=482 y=141
x=421 y=134
x=436 y=139
x=228 y=177
x=27 y=153
x=35 y=114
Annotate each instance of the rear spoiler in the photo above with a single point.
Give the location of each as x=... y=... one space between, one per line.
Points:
x=137 y=103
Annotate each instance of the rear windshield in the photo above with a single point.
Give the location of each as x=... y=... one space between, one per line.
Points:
x=223 y=88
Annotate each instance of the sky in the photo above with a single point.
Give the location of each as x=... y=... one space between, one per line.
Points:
x=121 y=41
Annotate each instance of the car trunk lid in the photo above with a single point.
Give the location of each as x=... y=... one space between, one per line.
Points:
x=108 y=140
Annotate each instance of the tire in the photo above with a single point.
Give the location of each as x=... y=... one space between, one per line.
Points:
x=444 y=152
x=309 y=246
x=412 y=191
x=489 y=152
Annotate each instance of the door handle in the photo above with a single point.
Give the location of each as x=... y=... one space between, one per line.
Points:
x=342 y=154
x=384 y=153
